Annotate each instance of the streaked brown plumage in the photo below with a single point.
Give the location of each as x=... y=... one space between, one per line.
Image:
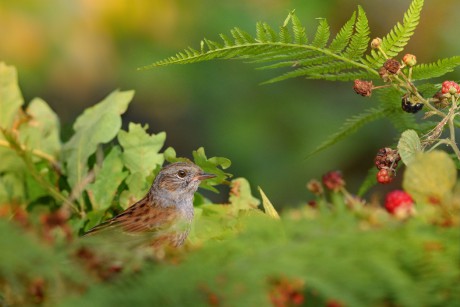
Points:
x=165 y=214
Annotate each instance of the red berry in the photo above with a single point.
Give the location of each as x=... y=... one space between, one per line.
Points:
x=399 y=203
x=333 y=180
x=450 y=87
x=385 y=176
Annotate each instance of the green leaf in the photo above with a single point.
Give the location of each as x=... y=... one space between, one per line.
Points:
x=291 y=49
x=138 y=186
x=368 y=182
x=395 y=41
x=211 y=166
x=10 y=95
x=107 y=181
x=141 y=150
x=42 y=130
x=343 y=37
x=322 y=34
x=360 y=40
x=241 y=197
x=300 y=36
x=409 y=146
x=97 y=125
x=12 y=189
x=351 y=126
x=435 y=69
x=430 y=177
x=268 y=207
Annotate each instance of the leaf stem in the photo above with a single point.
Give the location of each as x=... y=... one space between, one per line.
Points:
x=37 y=153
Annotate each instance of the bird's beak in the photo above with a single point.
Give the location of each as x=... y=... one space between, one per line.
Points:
x=203 y=176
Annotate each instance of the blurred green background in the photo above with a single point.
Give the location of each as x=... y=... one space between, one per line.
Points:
x=73 y=53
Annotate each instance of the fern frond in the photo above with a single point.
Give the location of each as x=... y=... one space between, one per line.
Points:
x=360 y=40
x=322 y=34
x=343 y=37
x=393 y=43
x=300 y=35
x=290 y=48
x=435 y=69
x=351 y=126
x=391 y=102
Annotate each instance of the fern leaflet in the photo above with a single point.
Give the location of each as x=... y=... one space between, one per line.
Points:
x=393 y=43
x=351 y=126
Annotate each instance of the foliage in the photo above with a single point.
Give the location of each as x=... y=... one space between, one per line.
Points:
x=340 y=250
x=343 y=59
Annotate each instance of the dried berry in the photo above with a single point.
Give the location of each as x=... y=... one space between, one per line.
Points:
x=392 y=66
x=385 y=176
x=440 y=101
x=315 y=187
x=363 y=88
x=333 y=180
x=383 y=72
x=409 y=60
x=399 y=203
x=387 y=158
x=410 y=107
x=450 y=87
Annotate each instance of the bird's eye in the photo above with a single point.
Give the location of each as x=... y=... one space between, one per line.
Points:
x=181 y=174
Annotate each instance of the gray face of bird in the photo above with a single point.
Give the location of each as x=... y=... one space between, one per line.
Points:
x=181 y=178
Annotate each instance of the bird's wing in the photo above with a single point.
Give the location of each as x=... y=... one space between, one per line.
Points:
x=141 y=217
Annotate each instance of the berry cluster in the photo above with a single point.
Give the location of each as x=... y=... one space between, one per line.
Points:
x=386 y=162
x=450 y=87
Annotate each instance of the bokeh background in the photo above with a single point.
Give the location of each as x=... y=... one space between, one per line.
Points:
x=73 y=53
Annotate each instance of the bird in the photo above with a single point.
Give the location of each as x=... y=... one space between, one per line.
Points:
x=163 y=217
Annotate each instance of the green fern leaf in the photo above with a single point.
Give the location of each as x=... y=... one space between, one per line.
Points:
x=360 y=39
x=393 y=43
x=285 y=35
x=340 y=76
x=289 y=48
x=300 y=36
x=343 y=37
x=391 y=102
x=322 y=34
x=350 y=127
x=227 y=41
x=241 y=37
x=435 y=69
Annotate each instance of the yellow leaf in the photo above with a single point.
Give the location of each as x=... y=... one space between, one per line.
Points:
x=430 y=177
x=268 y=207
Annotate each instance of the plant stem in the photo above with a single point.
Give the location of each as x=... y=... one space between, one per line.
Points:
x=37 y=153
x=452 y=113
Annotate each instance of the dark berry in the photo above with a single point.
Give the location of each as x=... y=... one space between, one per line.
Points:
x=410 y=107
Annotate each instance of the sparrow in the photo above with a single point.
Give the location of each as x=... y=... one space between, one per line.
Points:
x=164 y=216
